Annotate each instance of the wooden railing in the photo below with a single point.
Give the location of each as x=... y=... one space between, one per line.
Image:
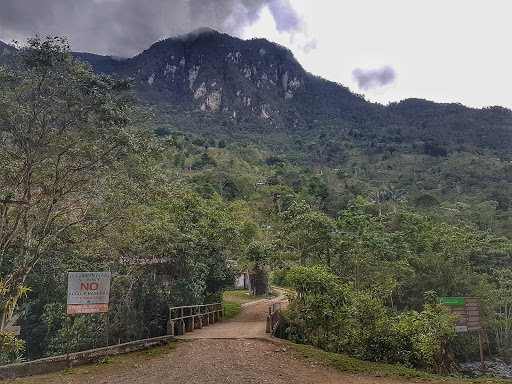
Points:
x=187 y=318
x=274 y=315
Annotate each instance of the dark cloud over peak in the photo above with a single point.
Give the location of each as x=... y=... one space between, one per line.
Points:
x=373 y=78
x=285 y=17
x=126 y=27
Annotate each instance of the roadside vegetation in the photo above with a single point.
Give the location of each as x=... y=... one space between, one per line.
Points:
x=88 y=182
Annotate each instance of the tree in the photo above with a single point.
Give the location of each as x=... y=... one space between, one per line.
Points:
x=394 y=194
x=307 y=234
x=257 y=257
x=61 y=129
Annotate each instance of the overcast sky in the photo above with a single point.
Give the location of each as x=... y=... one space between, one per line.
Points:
x=388 y=50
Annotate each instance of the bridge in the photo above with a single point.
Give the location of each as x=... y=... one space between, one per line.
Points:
x=238 y=350
x=251 y=323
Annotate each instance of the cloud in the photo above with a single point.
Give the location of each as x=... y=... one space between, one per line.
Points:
x=373 y=78
x=126 y=27
x=284 y=15
x=309 y=46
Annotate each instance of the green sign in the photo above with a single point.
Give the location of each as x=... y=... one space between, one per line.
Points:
x=451 y=300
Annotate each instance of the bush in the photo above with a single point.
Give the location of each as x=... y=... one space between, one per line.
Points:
x=279 y=278
x=332 y=316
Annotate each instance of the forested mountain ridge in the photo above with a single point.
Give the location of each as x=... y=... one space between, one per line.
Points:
x=210 y=88
x=210 y=71
x=3 y=45
x=239 y=80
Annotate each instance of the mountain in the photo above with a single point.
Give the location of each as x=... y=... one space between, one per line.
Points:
x=207 y=88
x=4 y=46
x=239 y=80
x=212 y=71
x=99 y=63
x=259 y=87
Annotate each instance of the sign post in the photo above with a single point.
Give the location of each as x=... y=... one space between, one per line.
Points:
x=469 y=317
x=88 y=292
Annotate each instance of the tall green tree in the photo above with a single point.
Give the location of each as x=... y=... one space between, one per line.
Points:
x=306 y=234
x=61 y=129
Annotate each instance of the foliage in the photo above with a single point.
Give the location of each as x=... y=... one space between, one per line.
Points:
x=332 y=316
x=61 y=127
x=11 y=348
x=307 y=235
x=232 y=309
x=345 y=363
x=434 y=340
x=499 y=312
x=362 y=211
x=80 y=191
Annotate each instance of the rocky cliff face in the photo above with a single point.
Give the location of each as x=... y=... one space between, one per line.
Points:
x=210 y=71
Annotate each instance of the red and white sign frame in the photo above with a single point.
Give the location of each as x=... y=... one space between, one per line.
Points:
x=88 y=292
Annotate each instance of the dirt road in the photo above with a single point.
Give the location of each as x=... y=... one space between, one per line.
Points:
x=251 y=323
x=235 y=351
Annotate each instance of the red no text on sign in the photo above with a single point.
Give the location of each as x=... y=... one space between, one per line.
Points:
x=88 y=292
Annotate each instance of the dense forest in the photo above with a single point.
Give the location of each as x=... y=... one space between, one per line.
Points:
x=367 y=226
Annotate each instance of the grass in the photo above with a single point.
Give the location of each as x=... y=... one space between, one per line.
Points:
x=233 y=301
x=232 y=310
x=95 y=366
x=344 y=363
x=158 y=351
x=242 y=297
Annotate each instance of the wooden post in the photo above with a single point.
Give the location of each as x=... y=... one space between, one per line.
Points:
x=190 y=317
x=68 y=336
x=481 y=351
x=181 y=327
x=170 y=327
x=107 y=328
x=190 y=321
x=269 y=319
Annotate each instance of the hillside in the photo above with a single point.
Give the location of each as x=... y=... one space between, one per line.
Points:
x=258 y=87
x=259 y=82
x=209 y=87
x=3 y=46
x=255 y=94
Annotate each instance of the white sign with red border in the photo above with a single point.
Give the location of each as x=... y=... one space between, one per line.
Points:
x=88 y=292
